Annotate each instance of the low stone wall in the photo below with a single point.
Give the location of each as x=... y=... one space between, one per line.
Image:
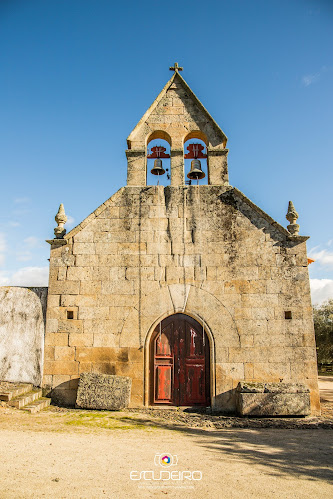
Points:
x=22 y=325
x=273 y=399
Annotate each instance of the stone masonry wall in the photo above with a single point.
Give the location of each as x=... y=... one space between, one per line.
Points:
x=149 y=252
x=22 y=321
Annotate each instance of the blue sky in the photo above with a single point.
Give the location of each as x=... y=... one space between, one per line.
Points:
x=77 y=75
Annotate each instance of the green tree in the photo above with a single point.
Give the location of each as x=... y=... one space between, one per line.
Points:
x=323 y=323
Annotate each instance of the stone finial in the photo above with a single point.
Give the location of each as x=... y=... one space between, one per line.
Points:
x=61 y=219
x=292 y=216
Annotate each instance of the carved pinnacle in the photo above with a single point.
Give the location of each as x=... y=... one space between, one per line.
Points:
x=61 y=219
x=292 y=216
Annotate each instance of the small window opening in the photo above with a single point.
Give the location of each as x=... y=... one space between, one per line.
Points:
x=70 y=314
x=288 y=314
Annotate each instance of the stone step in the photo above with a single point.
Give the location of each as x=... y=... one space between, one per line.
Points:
x=9 y=391
x=26 y=399
x=37 y=405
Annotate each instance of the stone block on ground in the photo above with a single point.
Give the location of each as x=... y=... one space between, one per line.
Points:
x=103 y=391
x=272 y=399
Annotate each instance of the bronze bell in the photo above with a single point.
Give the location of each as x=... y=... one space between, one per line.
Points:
x=196 y=173
x=158 y=168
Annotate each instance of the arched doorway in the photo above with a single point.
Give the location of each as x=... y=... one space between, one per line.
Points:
x=179 y=363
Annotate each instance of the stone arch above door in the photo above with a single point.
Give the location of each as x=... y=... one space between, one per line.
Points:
x=196 y=302
x=191 y=300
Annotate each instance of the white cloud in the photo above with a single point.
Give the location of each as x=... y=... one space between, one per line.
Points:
x=23 y=256
x=13 y=223
x=3 y=247
x=26 y=276
x=307 y=80
x=29 y=276
x=321 y=290
x=21 y=212
x=323 y=257
x=4 y=279
x=70 y=220
x=22 y=200
x=32 y=242
x=3 y=244
x=310 y=78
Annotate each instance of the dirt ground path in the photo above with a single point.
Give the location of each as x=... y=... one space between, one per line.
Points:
x=91 y=455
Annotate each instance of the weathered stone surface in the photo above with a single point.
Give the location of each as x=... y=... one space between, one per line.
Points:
x=22 y=316
x=242 y=300
x=273 y=399
x=101 y=391
x=257 y=387
x=206 y=251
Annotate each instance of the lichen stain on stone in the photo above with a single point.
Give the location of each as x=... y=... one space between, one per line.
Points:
x=168 y=230
x=167 y=197
x=123 y=356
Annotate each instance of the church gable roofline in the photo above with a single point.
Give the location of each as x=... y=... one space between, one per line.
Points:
x=176 y=76
x=93 y=215
x=269 y=219
x=109 y=202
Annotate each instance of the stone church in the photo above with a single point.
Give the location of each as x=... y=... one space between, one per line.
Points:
x=187 y=288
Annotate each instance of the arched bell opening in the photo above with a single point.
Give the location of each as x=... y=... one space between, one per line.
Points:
x=195 y=159
x=197 y=134
x=179 y=353
x=158 y=158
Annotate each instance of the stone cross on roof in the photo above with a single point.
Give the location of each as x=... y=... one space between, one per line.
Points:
x=176 y=68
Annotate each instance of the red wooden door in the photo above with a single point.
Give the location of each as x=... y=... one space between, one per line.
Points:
x=180 y=367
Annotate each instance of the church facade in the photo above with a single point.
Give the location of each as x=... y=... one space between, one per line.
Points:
x=186 y=289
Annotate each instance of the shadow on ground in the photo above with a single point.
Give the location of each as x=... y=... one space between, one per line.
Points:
x=294 y=453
